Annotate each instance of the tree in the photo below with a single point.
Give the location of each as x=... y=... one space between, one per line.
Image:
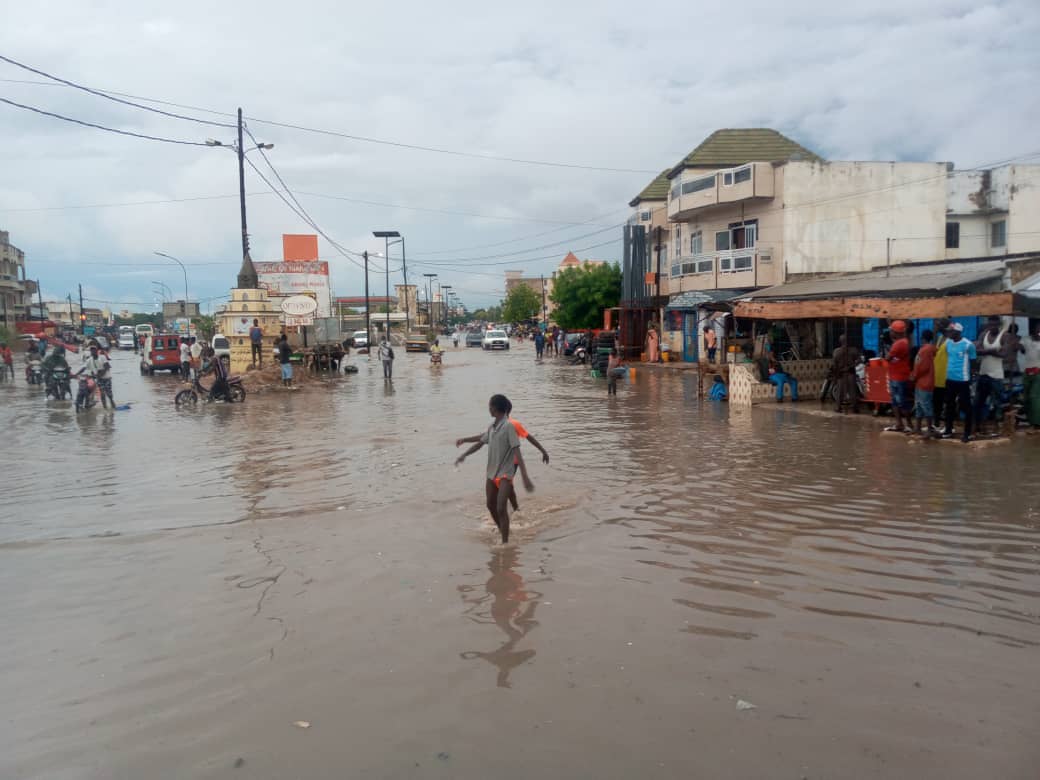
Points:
x=205 y=326
x=522 y=303
x=491 y=314
x=581 y=294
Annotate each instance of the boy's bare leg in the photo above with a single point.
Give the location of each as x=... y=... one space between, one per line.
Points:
x=503 y=508
x=492 y=494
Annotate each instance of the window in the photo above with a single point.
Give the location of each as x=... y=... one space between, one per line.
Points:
x=644 y=216
x=953 y=235
x=998 y=234
x=734 y=264
x=697 y=185
x=676 y=270
x=674 y=192
x=727 y=179
x=742 y=174
x=677 y=243
x=721 y=240
x=705 y=266
x=696 y=243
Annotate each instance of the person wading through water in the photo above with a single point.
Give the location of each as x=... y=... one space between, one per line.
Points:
x=504 y=458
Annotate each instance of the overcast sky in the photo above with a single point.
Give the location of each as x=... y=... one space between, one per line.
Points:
x=606 y=84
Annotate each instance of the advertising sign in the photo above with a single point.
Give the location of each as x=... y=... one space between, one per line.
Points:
x=241 y=326
x=292 y=278
x=299 y=305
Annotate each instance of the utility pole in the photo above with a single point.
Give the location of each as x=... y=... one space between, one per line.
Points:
x=368 y=326
x=82 y=317
x=657 y=276
x=407 y=305
x=545 y=309
x=39 y=299
x=242 y=186
x=247 y=278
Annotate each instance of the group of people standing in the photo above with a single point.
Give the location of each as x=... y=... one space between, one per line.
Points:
x=934 y=384
x=551 y=342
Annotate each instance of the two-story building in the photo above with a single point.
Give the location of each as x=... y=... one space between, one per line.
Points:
x=752 y=209
x=15 y=289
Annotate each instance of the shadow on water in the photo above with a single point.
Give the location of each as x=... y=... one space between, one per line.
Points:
x=507 y=603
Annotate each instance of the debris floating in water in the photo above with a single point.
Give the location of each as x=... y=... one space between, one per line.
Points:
x=302 y=724
x=745 y=705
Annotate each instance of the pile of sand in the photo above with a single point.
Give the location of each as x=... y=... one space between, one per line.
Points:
x=269 y=378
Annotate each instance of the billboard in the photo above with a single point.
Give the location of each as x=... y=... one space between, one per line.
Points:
x=297 y=278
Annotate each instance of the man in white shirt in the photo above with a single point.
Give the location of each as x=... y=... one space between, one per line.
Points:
x=196 y=355
x=185 y=360
x=96 y=364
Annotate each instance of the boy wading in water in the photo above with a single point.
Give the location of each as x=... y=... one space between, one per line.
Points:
x=504 y=458
x=523 y=433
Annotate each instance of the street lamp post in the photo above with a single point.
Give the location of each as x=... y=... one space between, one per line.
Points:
x=185 y=271
x=386 y=235
x=429 y=298
x=446 y=292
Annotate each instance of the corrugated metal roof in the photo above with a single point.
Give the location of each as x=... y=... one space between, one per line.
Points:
x=729 y=147
x=899 y=280
x=691 y=299
x=655 y=190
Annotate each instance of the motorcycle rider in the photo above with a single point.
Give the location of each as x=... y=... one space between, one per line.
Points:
x=51 y=363
x=219 y=390
x=96 y=364
x=436 y=351
x=32 y=360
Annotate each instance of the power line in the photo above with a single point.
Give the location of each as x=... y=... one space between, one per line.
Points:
x=101 y=127
x=345 y=252
x=380 y=141
x=101 y=94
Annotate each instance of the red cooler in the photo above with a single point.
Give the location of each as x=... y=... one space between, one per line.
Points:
x=877 y=382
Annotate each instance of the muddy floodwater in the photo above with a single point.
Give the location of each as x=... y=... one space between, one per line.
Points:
x=304 y=586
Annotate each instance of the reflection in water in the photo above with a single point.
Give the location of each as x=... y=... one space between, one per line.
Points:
x=507 y=605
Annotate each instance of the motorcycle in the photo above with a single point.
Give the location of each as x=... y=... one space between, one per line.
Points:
x=34 y=373
x=59 y=388
x=435 y=358
x=190 y=397
x=87 y=394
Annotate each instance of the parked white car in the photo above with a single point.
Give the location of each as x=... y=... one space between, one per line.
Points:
x=360 y=339
x=495 y=339
x=221 y=347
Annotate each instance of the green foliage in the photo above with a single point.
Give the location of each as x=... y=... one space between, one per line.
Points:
x=522 y=303
x=491 y=314
x=6 y=335
x=581 y=294
x=205 y=326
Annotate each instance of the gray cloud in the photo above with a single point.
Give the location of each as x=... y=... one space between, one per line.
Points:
x=594 y=83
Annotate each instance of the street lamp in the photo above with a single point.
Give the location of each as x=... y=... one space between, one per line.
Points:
x=446 y=292
x=247 y=278
x=386 y=235
x=163 y=287
x=185 y=271
x=429 y=298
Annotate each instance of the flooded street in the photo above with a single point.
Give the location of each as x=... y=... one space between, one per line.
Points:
x=183 y=589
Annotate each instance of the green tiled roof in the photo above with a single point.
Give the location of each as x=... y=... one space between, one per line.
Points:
x=655 y=190
x=731 y=147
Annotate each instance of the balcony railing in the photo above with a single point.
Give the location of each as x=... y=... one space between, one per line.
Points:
x=728 y=261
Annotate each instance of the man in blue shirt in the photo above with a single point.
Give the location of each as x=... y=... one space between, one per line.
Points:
x=256 y=342
x=960 y=353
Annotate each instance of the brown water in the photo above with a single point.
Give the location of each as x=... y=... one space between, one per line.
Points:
x=180 y=588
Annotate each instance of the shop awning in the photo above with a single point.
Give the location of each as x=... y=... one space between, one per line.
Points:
x=908 y=292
